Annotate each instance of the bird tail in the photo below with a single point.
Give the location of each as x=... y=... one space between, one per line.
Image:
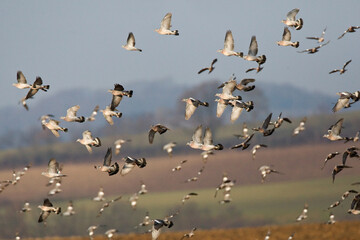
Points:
x=129 y=93
x=205 y=104
x=80 y=119
x=45 y=88
x=176 y=32
x=58 y=210
x=300 y=24
x=97 y=142
x=64 y=129
x=118 y=115
x=219 y=147
x=296 y=44
x=240 y=54
x=141 y=162
x=261 y=59
x=23 y=102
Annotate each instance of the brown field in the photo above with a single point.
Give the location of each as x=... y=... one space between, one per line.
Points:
x=297 y=163
x=349 y=230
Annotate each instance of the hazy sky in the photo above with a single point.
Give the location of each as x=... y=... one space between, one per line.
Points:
x=78 y=43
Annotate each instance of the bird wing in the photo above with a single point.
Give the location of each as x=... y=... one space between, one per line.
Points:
x=87 y=136
x=47 y=203
x=53 y=166
x=245 y=81
x=31 y=93
x=71 y=112
x=235 y=113
x=229 y=41
x=131 y=40
x=341 y=103
x=213 y=62
x=346 y=63
x=166 y=22
x=151 y=135
x=291 y=15
x=336 y=128
x=38 y=81
x=43 y=216
x=116 y=99
x=208 y=137
x=202 y=70
x=229 y=87
x=220 y=108
x=286 y=34
x=253 y=48
x=20 y=77
x=189 y=110
x=107 y=158
x=267 y=121
x=197 y=136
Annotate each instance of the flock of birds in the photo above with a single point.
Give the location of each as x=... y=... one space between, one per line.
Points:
x=200 y=141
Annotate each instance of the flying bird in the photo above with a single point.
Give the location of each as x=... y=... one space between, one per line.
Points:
x=188 y=196
x=71 y=115
x=264 y=128
x=107 y=167
x=53 y=169
x=189 y=235
x=351 y=29
x=157 y=225
x=337 y=169
x=143 y=189
x=108 y=114
x=286 y=39
x=245 y=132
x=118 y=92
x=21 y=81
x=209 y=69
x=350 y=152
x=25 y=208
x=133 y=200
x=342 y=70
x=178 y=167
x=291 y=21
x=355 y=205
x=46 y=209
x=266 y=170
x=130 y=163
x=255 y=148
x=100 y=195
x=245 y=144
x=228 y=49
x=130 y=43
x=206 y=143
x=314 y=49
x=334 y=131
x=146 y=221
x=107 y=204
x=56 y=189
x=110 y=233
x=191 y=105
x=166 y=25
x=303 y=214
x=69 y=211
x=280 y=121
x=253 y=50
x=319 y=39
x=169 y=148
x=54 y=127
x=328 y=157
x=158 y=128
x=301 y=127
x=118 y=144
x=238 y=106
x=91 y=118
x=35 y=87
x=88 y=141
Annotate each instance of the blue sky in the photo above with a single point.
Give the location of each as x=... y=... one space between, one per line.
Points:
x=78 y=43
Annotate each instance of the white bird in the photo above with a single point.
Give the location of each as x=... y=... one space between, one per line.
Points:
x=93 y=114
x=166 y=25
x=69 y=211
x=88 y=141
x=286 y=39
x=108 y=114
x=133 y=200
x=53 y=169
x=118 y=144
x=255 y=148
x=300 y=128
x=228 y=49
x=291 y=21
x=334 y=131
x=169 y=148
x=130 y=163
x=303 y=214
x=253 y=50
x=71 y=115
x=21 y=81
x=25 y=208
x=100 y=195
x=157 y=225
x=110 y=233
x=206 y=143
x=143 y=189
x=56 y=189
x=130 y=43
x=178 y=167
x=189 y=235
x=53 y=126
x=111 y=169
